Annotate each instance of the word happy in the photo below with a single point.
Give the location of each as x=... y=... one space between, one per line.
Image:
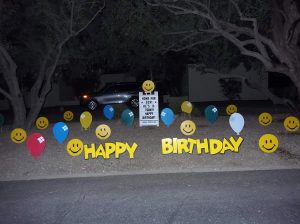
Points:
x=107 y=149
x=196 y=146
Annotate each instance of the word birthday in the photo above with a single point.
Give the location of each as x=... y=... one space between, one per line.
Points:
x=107 y=149
x=212 y=146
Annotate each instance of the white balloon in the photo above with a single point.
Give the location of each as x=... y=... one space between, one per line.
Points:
x=236 y=121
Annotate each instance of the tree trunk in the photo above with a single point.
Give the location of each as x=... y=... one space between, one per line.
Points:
x=298 y=101
x=19 y=111
x=294 y=76
x=17 y=103
x=42 y=85
x=9 y=69
x=34 y=112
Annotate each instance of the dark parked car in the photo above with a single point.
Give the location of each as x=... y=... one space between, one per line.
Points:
x=112 y=93
x=117 y=93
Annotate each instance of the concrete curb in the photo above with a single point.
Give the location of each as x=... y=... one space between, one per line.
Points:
x=150 y=172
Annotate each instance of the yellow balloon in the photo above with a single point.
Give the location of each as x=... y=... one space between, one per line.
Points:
x=86 y=119
x=187 y=107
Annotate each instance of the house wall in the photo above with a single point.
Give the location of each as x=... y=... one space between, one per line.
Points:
x=122 y=77
x=53 y=99
x=61 y=95
x=185 y=83
x=206 y=87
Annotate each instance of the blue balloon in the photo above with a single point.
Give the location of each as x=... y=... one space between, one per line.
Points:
x=127 y=117
x=1 y=120
x=167 y=116
x=211 y=114
x=236 y=122
x=60 y=131
x=108 y=112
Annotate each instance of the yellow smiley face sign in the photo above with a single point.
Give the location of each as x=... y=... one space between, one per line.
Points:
x=18 y=135
x=68 y=115
x=268 y=143
x=75 y=147
x=291 y=124
x=188 y=127
x=42 y=123
x=103 y=131
x=148 y=86
x=265 y=119
x=230 y=109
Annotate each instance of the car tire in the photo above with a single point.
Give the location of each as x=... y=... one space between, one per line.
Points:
x=134 y=102
x=92 y=105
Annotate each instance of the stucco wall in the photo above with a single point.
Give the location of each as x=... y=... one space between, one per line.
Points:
x=122 y=77
x=206 y=87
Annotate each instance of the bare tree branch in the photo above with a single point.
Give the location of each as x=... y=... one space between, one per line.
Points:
x=180 y=32
x=259 y=44
x=226 y=29
x=6 y=94
x=72 y=16
x=8 y=61
x=47 y=73
x=188 y=46
x=91 y=20
x=43 y=84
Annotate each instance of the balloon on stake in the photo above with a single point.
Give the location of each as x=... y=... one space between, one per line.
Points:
x=211 y=114
x=186 y=107
x=60 y=132
x=127 y=117
x=86 y=119
x=108 y=112
x=36 y=144
x=236 y=121
x=167 y=116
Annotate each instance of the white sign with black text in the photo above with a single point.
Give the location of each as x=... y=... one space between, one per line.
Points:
x=148 y=108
